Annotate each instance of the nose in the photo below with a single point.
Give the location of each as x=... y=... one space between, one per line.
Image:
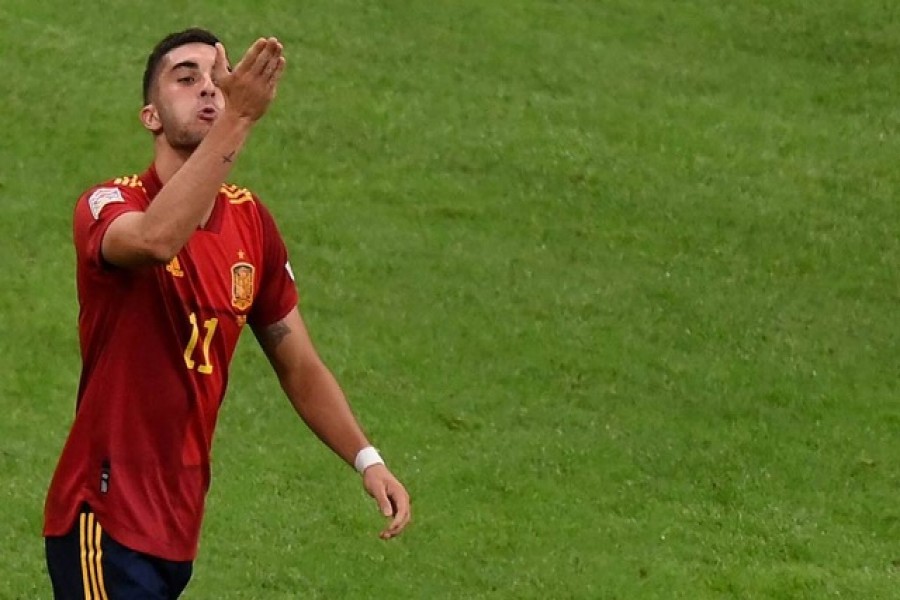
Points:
x=209 y=88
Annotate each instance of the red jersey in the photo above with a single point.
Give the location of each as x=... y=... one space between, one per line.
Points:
x=156 y=343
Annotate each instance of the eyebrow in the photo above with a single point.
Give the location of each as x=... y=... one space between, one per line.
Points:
x=185 y=63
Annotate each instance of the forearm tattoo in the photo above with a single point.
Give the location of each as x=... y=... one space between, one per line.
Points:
x=228 y=157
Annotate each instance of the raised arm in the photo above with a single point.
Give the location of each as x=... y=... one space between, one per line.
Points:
x=320 y=402
x=158 y=234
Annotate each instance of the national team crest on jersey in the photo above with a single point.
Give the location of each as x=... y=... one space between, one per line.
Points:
x=242 y=285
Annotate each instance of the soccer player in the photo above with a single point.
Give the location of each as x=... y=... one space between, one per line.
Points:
x=171 y=264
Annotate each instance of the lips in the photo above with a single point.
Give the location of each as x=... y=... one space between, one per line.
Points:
x=207 y=113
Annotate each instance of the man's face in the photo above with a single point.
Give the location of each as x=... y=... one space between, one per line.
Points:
x=184 y=96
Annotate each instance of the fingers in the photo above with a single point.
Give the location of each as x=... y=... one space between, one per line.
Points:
x=251 y=86
x=400 y=510
x=279 y=69
x=384 y=503
x=250 y=56
x=272 y=67
x=221 y=66
x=262 y=55
x=391 y=496
x=268 y=58
x=265 y=59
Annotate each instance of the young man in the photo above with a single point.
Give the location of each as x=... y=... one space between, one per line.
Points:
x=170 y=265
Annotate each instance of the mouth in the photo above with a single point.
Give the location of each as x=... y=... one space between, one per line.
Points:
x=208 y=114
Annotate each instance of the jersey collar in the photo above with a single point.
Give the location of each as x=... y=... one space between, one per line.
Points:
x=151 y=182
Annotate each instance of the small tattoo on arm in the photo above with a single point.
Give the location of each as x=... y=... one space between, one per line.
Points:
x=273 y=334
x=228 y=157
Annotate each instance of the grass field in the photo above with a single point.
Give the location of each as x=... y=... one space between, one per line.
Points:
x=612 y=284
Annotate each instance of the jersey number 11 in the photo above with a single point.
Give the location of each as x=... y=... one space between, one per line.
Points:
x=210 y=326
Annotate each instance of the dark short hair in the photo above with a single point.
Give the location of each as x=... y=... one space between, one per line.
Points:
x=193 y=35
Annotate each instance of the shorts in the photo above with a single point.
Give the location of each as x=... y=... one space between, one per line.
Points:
x=87 y=564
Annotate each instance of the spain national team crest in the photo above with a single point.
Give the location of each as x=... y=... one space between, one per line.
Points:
x=241 y=285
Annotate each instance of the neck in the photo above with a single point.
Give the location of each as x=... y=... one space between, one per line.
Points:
x=168 y=160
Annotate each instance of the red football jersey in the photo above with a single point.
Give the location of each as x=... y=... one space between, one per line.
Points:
x=156 y=343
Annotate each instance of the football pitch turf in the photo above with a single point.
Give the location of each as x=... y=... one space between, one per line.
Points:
x=612 y=284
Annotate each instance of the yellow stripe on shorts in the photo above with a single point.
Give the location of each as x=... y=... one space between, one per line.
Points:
x=91 y=555
x=82 y=538
x=100 y=579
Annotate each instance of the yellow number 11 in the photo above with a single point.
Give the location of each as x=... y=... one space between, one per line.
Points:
x=210 y=326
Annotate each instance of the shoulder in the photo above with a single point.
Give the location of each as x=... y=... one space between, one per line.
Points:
x=123 y=184
x=245 y=200
x=238 y=195
x=126 y=189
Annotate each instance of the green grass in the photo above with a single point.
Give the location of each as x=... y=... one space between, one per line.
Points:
x=612 y=284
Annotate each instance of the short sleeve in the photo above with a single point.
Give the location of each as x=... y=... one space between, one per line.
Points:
x=96 y=209
x=277 y=294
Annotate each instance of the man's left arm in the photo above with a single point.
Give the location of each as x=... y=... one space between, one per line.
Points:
x=320 y=402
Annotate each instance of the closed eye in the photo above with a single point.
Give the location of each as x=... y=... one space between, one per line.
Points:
x=186 y=79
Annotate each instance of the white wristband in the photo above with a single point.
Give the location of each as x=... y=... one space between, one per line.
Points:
x=367 y=457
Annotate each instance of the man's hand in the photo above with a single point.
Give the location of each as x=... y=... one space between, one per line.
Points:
x=251 y=86
x=391 y=496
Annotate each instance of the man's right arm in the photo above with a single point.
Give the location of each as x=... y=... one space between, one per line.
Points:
x=155 y=236
x=159 y=233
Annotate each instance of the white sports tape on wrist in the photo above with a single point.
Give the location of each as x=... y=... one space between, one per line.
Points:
x=367 y=457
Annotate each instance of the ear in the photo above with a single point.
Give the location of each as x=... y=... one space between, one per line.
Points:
x=150 y=119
